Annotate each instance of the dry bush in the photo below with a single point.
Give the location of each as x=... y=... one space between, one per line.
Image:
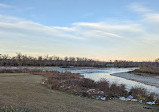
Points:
x=117 y=91
x=65 y=81
x=103 y=85
x=150 y=97
x=87 y=83
x=122 y=90
x=157 y=101
x=139 y=93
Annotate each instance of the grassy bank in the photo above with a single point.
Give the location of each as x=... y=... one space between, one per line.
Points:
x=145 y=71
x=24 y=92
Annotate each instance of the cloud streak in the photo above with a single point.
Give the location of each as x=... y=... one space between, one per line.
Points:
x=139 y=8
x=5 y=6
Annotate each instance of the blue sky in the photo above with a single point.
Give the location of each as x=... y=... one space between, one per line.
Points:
x=98 y=29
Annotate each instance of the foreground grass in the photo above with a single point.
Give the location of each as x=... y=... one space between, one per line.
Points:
x=25 y=90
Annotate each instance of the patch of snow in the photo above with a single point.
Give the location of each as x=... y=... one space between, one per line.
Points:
x=103 y=98
x=91 y=90
x=43 y=82
x=140 y=101
x=150 y=103
x=62 y=86
x=133 y=99
x=100 y=92
x=122 y=98
x=98 y=97
x=128 y=99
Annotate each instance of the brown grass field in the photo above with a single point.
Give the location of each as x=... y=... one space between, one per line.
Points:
x=24 y=90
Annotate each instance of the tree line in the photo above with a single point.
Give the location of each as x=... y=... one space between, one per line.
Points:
x=150 y=65
x=24 y=60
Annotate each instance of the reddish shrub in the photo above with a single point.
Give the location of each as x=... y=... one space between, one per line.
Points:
x=150 y=97
x=87 y=83
x=103 y=85
x=117 y=91
x=157 y=101
x=139 y=93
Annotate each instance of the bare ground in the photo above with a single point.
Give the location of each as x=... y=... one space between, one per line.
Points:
x=21 y=90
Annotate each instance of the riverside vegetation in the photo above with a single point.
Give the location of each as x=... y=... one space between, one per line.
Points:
x=76 y=84
x=151 y=68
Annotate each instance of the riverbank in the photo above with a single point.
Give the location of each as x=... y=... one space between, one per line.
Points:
x=24 y=90
x=146 y=79
x=145 y=72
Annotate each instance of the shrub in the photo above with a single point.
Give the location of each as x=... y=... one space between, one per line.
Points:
x=150 y=97
x=84 y=94
x=157 y=101
x=117 y=91
x=139 y=93
x=87 y=83
x=103 y=85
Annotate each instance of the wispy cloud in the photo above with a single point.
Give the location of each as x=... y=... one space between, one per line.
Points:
x=30 y=29
x=139 y=8
x=5 y=6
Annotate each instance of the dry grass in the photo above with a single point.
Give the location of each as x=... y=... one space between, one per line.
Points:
x=25 y=89
x=18 y=70
x=148 y=71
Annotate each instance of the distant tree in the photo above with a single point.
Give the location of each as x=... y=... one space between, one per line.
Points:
x=157 y=60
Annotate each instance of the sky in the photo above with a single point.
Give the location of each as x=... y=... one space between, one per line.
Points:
x=96 y=29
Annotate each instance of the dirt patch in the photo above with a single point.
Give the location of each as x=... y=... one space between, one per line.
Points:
x=21 y=90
